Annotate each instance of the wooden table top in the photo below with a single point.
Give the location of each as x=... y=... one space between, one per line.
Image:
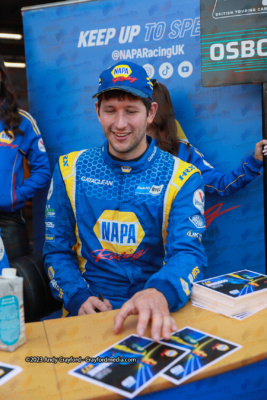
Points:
x=90 y=334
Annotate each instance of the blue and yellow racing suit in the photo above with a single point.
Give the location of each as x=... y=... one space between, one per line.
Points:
x=118 y=227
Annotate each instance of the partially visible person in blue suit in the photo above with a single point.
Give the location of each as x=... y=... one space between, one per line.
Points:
x=170 y=137
x=20 y=144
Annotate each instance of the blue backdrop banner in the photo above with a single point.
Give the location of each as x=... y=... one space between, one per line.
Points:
x=67 y=46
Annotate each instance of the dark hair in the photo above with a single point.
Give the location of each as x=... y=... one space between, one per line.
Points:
x=9 y=108
x=164 y=124
x=121 y=94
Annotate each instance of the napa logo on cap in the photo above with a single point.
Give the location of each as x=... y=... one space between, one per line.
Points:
x=122 y=73
x=121 y=70
x=119 y=232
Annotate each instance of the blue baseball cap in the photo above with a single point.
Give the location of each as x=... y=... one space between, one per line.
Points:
x=126 y=76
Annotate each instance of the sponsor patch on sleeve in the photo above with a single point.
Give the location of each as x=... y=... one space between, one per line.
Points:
x=51 y=272
x=199 y=200
x=198 y=221
x=41 y=145
x=185 y=286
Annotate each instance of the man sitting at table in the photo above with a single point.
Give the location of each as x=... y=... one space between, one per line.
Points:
x=127 y=217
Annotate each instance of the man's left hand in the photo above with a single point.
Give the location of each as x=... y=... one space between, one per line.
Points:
x=149 y=304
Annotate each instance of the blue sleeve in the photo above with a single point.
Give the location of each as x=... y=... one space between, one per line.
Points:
x=185 y=256
x=60 y=260
x=34 y=151
x=225 y=184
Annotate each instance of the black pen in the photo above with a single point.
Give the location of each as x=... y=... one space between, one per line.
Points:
x=100 y=296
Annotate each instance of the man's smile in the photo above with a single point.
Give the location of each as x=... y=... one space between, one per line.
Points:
x=121 y=135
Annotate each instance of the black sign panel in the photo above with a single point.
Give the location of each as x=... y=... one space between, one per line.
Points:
x=233 y=42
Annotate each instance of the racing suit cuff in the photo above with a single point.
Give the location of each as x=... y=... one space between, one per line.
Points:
x=168 y=292
x=256 y=164
x=77 y=300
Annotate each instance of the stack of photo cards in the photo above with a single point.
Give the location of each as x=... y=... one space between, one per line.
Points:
x=236 y=295
x=132 y=364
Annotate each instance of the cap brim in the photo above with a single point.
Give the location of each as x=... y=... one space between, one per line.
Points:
x=126 y=89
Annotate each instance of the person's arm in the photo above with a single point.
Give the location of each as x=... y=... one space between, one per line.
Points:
x=227 y=183
x=169 y=289
x=60 y=260
x=34 y=151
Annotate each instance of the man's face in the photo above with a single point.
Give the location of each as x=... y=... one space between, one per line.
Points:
x=124 y=122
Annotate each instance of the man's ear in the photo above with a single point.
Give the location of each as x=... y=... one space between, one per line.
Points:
x=152 y=112
x=97 y=110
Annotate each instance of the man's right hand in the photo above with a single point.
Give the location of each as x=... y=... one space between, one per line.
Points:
x=149 y=304
x=89 y=306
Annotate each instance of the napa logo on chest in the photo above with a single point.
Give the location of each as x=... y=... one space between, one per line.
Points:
x=119 y=232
